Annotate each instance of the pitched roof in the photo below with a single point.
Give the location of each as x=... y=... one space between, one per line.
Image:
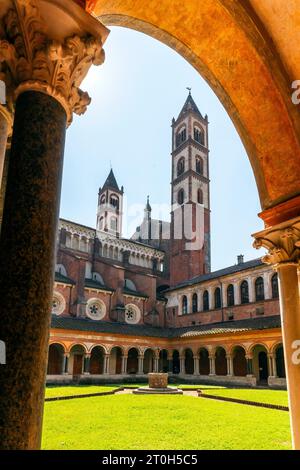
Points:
x=63 y=279
x=254 y=263
x=189 y=106
x=111 y=182
x=237 y=326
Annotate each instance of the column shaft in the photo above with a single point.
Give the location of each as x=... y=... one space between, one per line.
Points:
x=3 y=142
x=290 y=318
x=27 y=256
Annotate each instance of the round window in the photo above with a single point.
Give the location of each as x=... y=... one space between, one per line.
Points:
x=58 y=303
x=132 y=314
x=95 y=309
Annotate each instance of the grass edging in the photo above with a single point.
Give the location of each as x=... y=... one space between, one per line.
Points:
x=86 y=395
x=243 y=402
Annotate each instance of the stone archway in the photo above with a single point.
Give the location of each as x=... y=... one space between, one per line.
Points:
x=239 y=362
x=55 y=359
x=221 y=361
x=97 y=360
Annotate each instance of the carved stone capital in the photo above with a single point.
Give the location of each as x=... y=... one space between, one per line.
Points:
x=282 y=242
x=49 y=46
x=7 y=114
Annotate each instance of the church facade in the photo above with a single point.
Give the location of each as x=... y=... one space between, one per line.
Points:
x=126 y=307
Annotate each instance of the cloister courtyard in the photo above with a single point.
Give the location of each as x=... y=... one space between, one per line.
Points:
x=127 y=421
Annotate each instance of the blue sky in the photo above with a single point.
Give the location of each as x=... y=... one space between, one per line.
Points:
x=135 y=94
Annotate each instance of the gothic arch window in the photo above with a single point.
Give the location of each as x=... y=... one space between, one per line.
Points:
x=195 y=303
x=244 y=292
x=101 y=224
x=114 y=201
x=103 y=199
x=180 y=197
x=198 y=135
x=218 y=297
x=181 y=136
x=59 y=268
x=180 y=166
x=259 y=289
x=200 y=196
x=274 y=282
x=199 y=165
x=230 y=295
x=205 y=301
x=184 y=305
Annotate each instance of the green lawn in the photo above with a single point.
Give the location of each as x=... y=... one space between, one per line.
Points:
x=274 y=397
x=162 y=422
x=64 y=391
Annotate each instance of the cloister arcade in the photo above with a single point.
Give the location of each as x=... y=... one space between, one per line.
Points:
x=255 y=364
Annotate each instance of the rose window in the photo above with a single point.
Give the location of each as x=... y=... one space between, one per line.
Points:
x=95 y=309
x=132 y=314
x=58 y=303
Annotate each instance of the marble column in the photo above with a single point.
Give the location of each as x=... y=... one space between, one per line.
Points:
x=156 y=364
x=141 y=365
x=66 y=363
x=229 y=365
x=44 y=97
x=212 y=365
x=106 y=364
x=86 y=365
x=249 y=360
x=283 y=244
x=124 y=364
x=182 y=365
x=196 y=365
x=27 y=253
x=270 y=365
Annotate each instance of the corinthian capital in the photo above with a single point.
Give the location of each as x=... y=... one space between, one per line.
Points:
x=282 y=242
x=49 y=46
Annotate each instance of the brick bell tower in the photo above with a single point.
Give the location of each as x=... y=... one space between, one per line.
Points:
x=110 y=207
x=190 y=214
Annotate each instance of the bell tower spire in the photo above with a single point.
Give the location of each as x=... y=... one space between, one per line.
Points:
x=110 y=207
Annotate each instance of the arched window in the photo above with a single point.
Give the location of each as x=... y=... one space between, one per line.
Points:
x=180 y=166
x=114 y=201
x=103 y=199
x=218 y=297
x=205 y=301
x=259 y=289
x=244 y=292
x=113 y=223
x=199 y=165
x=181 y=137
x=129 y=284
x=275 y=291
x=230 y=295
x=180 y=197
x=184 y=305
x=195 y=303
x=200 y=196
x=198 y=135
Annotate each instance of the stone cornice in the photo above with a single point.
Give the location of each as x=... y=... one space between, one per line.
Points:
x=282 y=242
x=51 y=57
x=190 y=141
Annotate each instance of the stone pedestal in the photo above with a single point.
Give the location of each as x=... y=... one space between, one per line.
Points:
x=157 y=380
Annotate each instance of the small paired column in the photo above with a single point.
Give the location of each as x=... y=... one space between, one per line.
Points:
x=124 y=364
x=249 y=359
x=272 y=365
x=212 y=364
x=156 y=363
x=86 y=364
x=182 y=365
x=141 y=364
x=196 y=365
x=229 y=360
x=106 y=364
x=66 y=363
